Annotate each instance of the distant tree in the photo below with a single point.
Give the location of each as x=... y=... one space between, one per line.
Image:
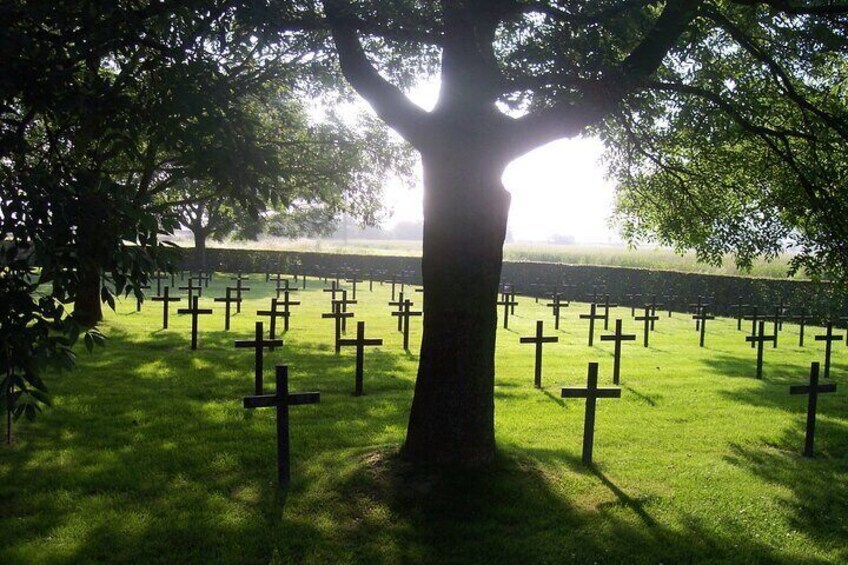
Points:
x=562 y=239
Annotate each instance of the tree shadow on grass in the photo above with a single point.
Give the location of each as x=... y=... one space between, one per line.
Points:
x=509 y=513
x=819 y=486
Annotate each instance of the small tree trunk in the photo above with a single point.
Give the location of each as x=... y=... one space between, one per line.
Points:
x=465 y=217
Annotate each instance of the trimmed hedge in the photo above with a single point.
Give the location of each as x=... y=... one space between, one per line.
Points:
x=577 y=282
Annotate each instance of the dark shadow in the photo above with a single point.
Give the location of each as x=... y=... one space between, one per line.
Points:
x=649 y=400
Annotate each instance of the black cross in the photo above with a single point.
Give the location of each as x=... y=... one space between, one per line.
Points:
x=405 y=314
x=165 y=299
x=191 y=288
x=591 y=393
x=139 y=298
x=344 y=304
x=653 y=305
x=508 y=289
x=195 y=311
x=828 y=338
x=606 y=306
x=273 y=313
x=285 y=289
x=802 y=321
x=696 y=307
x=277 y=278
x=394 y=281
x=508 y=303
x=633 y=299
x=204 y=278
x=557 y=305
x=360 y=343
x=702 y=317
x=783 y=309
x=778 y=322
x=287 y=303
x=618 y=337
x=760 y=339
x=740 y=312
x=239 y=289
x=338 y=316
x=813 y=390
x=281 y=400
x=399 y=304
x=159 y=277
x=353 y=280
x=670 y=300
x=648 y=318
x=595 y=290
x=592 y=316
x=258 y=344
x=228 y=300
x=201 y=280
x=754 y=318
x=334 y=288
x=538 y=339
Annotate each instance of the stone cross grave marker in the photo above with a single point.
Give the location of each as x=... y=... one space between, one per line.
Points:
x=648 y=318
x=509 y=304
x=828 y=338
x=258 y=344
x=760 y=340
x=360 y=343
x=406 y=313
x=281 y=400
x=812 y=390
x=618 y=337
x=592 y=316
x=591 y=393
x=195 y=312
x=557 y=306
x=538 y=340
x=165 y=299
x=228 y=300
x=702 y=316
x=338 y=316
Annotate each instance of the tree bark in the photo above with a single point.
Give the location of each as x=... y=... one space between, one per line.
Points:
x=199 y=246
x=88 y=309
x=465 y=217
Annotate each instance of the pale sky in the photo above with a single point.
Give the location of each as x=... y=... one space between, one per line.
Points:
x=557 y=189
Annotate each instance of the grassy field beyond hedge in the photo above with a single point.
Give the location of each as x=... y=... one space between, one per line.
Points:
x=148 y=455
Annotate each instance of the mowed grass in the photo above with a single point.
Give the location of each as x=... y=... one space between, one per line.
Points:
x=148 y=455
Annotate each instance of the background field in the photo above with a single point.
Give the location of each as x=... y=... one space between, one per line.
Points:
x=645 y=258
x=149 y=456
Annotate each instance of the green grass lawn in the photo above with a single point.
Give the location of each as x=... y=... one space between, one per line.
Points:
x=148 y=455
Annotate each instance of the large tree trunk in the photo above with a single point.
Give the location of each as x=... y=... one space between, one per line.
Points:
x=199 y=246
x=465 y=217
x=88 y=309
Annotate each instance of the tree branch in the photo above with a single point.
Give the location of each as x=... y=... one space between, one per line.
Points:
x=601 y=97
x=388 y=101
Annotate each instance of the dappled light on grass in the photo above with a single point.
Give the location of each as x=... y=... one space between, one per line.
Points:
x=149 y=453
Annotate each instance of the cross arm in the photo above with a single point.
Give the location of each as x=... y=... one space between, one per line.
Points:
x=806 y=389
x=295 y=399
